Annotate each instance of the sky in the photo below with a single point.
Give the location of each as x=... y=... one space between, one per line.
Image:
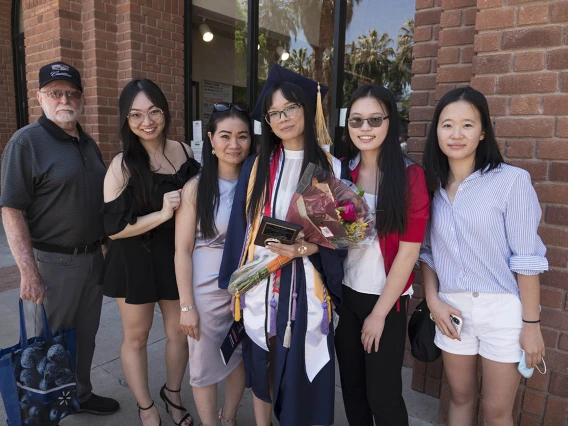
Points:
x=382 y=15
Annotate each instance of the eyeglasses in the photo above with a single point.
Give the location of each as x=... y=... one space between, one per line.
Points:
x=274 y=117
x=226 y=106
x=58 y=94
x=357 y=122
x=138 y=117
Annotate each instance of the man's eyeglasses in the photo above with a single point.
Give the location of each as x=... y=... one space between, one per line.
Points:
x=226 y=106
x=138 y=117
x=274 y=117
x=58 y=94
x=357 y=122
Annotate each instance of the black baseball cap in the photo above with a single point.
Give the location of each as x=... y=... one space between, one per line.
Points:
x=279 y=74
x=59 y=71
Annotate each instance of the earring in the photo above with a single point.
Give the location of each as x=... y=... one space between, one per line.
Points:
x=213 y=151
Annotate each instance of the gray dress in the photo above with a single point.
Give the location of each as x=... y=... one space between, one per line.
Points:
x=206 y=366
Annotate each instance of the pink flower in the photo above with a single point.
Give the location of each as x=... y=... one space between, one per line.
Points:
x=347 y=212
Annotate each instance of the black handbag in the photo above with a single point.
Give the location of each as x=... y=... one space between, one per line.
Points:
x=421 y=332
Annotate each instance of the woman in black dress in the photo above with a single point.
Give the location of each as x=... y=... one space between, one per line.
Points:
x=141 y=193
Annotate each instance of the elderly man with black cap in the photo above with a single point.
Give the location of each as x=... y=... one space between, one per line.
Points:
x=52 y=190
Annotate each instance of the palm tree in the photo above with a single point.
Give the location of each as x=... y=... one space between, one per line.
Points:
x=300 y=62
x=278 y=16
x=311 y=12
x=372 y=55
x=401 y=74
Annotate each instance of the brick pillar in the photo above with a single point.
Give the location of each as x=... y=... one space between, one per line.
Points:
x=100 y=73
x=43 y=32
x=150 y=45
x=423 y=96
x=109 y=44
x=521 y=66
x=8 y=122
x=457 y=30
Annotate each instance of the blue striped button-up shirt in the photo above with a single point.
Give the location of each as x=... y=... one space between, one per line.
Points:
x=489 y=233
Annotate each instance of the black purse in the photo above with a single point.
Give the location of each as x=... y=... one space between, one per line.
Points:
x=421 y=332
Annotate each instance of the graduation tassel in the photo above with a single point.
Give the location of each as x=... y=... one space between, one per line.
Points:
x=288 y=335
x=321 y=128
x=325 y=317
x=273 y=305
x=243 y=303
x=237 y=306
x=294 y=293
x=329 y=316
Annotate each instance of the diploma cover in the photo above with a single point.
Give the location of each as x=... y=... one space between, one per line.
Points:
x=273 y=230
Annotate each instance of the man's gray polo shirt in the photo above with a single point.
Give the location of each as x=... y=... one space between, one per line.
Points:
x=57 y=180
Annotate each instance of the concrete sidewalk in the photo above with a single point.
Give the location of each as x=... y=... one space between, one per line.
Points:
x=108 y=378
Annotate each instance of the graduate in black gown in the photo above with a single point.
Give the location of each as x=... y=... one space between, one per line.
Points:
x=294 y=376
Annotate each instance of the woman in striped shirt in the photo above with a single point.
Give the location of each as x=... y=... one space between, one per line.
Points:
x=481 y=259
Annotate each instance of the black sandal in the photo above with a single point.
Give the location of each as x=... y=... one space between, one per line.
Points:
x=147 y=408
x=169 y=403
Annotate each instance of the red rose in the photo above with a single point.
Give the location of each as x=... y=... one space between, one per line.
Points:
x=347 y=212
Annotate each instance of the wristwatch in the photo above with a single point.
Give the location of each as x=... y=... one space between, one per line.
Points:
x=302 y=249
x=186 y=308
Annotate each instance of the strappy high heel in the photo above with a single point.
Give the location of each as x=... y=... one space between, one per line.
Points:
x=169 y=403
x=145 y=409
x=225 y=421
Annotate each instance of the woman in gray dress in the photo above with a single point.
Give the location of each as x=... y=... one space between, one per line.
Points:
x=201 y=226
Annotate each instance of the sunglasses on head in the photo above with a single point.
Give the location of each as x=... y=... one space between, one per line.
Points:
x=357 y=122
x=226 y=106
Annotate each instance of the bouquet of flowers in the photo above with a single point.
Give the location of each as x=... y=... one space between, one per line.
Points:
x=247 y=276
x=331 y=213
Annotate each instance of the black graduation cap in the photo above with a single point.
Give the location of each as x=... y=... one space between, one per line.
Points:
x=279 y=74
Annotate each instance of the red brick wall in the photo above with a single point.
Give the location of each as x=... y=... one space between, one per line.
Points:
x=150 y=41
x=110 y=44
x=8 y=122
x=519 y=61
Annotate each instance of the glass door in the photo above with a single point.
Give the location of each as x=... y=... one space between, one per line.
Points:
x=19 y=57
x=378 y=49
x=298 y=35
x=218 y=58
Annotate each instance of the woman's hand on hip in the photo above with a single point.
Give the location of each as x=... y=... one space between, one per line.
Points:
x=189 y=322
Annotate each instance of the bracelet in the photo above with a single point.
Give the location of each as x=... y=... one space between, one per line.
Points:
x=531 y=322
x=186 y=308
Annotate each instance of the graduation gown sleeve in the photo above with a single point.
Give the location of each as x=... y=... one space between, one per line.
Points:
x=237 y=227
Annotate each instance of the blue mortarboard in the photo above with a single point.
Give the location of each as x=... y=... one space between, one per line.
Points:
x=280 y=74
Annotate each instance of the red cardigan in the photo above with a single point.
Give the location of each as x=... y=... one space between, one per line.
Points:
x=417 y=217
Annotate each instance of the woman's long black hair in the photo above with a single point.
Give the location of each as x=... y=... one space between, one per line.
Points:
x=313 y=153
x=135 y=159
x=487 y=155
x=391 y=183
x=208 y=187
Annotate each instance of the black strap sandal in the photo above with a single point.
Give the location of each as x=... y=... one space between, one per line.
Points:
x=169 y=403
x=147 y=408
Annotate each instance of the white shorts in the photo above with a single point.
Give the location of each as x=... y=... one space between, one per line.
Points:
x=491 y=327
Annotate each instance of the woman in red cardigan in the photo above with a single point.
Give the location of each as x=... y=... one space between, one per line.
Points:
x=371 y=334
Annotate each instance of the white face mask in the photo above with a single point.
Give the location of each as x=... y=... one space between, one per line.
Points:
x=528 y=372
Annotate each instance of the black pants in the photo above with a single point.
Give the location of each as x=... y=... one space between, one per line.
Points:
x=371 y=383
